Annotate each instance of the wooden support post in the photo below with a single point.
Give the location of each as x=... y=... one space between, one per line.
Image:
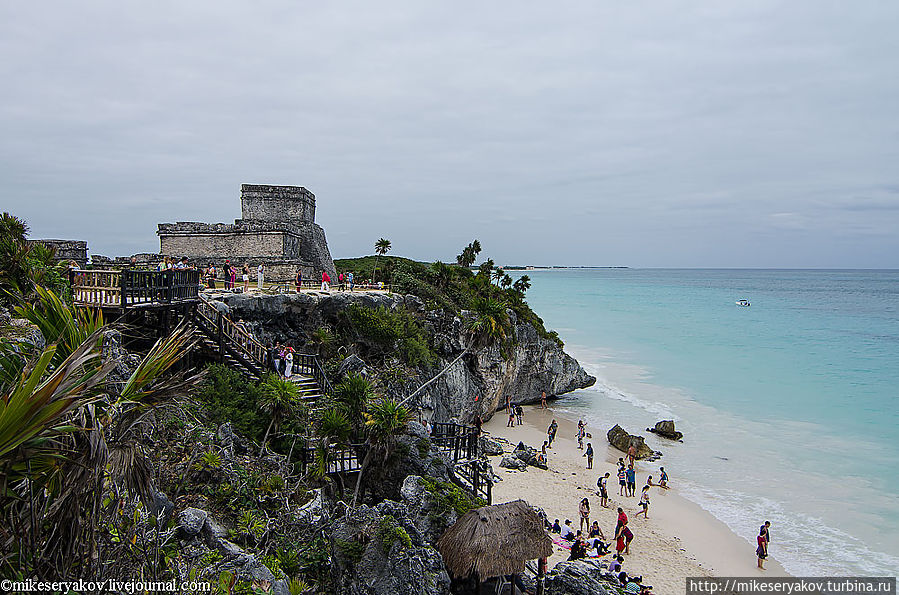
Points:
x=123 y=303
x=221 y=336
x=541 y=575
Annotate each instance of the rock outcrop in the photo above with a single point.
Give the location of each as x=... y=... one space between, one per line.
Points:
x=531 y=365
x=380 y=551
x=579 y=577
x=665 y=429
x=620 y=439
x=528 y=454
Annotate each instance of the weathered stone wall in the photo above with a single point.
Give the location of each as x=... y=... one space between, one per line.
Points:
x=293 y=204
x=234 y=244
x=67 y=250
x=314 y=249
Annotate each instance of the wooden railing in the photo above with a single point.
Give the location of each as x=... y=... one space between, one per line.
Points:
x=341 y=459
x=474 y=477
x=128 y=288
x=308 y=365
x=461 y=441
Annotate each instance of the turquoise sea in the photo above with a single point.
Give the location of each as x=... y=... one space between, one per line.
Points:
x=790 y=408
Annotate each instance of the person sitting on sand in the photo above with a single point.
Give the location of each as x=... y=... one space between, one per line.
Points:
x=615 y=564
x=556 y=528
x=596 y=531
x=663 y=479
x=644 y=502
x=567 y=532
x=584 y=511
x=578 y=549
x=649 y=481
x=589 y=455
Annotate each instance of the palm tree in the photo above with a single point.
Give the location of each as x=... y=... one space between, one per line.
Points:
x=444 y=274
x=332 y=425
x=522 y=284
x=384 y=421
x=352 y=395
x=382 y=247
x=498 y=273
x=279 y=398
x=469 y=254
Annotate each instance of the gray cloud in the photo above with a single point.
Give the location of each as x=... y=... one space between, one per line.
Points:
x=644 y=134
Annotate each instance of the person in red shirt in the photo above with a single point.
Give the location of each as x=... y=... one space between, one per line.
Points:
x=762 y=550
x=326 y=281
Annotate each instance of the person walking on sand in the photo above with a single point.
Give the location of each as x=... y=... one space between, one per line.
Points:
x=589 y=455
x=584 y=510
x=663 y=479
x=762 y=550
x=631 y=476
x=632 y=454
x=511 y=418
x=603 y=484
x=551 y=433
x=644 y=503
x=543 y=400
x=622 y=479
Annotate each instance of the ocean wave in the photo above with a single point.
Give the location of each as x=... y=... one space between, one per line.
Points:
x=803 y=544
x=610 y=391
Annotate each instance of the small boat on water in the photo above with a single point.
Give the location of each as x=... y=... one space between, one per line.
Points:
x=743 y=303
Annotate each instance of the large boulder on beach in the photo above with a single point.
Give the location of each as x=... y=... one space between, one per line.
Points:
x=513 y=462
x=489 y=446
x=665 y=429
x=620 y=439
x=528 y=454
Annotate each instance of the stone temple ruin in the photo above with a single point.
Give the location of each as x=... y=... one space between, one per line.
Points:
x=277 y=229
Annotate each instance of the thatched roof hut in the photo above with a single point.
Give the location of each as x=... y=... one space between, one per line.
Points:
x=494 y=541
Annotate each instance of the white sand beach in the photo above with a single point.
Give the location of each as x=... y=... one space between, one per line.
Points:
x=678 y=540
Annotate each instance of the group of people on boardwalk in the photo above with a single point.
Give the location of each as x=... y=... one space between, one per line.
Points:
x=282 y=356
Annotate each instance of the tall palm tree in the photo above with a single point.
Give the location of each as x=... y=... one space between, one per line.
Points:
x=279 y=398
x=384 y=421
x=522 y=284
x=506 y=281
x=353 y=395
x=382 y=247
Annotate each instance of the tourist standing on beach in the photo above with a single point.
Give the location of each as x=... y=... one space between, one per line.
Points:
x=644 y=502
x=584 y=511
x=622 y=478
x=603 y=484
x=632 y=454
x=260 y=276
x=631 y=476
x=762 y=550
x=511 y=418
x=543 y=400
x=589 y=455
x=519 y=414
x=551 y=433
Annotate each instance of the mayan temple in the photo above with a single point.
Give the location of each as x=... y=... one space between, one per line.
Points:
x=277 y=229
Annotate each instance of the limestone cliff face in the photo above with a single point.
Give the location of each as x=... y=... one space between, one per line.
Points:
x=531 y=365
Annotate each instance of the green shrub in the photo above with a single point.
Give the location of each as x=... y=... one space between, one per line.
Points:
x=390 y=331
x=228 y=396
x=448 y=496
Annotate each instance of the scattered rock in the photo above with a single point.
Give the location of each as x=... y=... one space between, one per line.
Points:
x=229 y=440
x=161 y=505
x=578 y=577
x=489 y=446
x=665 y=429
x=620 y=439
x=528 y=455
x=513 y=463
x=191 y=520
x=351 y=365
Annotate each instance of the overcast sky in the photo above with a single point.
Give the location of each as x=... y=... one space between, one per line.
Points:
x=701 y=133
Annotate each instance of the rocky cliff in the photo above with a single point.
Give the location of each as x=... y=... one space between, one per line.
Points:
x=476 y=385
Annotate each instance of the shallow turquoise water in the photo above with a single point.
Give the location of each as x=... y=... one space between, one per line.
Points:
x=790 y=406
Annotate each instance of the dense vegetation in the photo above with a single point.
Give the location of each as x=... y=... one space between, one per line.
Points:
x=453 y=287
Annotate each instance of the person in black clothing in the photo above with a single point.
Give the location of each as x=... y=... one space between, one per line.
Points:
x=578 y=549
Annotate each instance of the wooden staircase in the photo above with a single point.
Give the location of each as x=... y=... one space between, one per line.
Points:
x=232 y=345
